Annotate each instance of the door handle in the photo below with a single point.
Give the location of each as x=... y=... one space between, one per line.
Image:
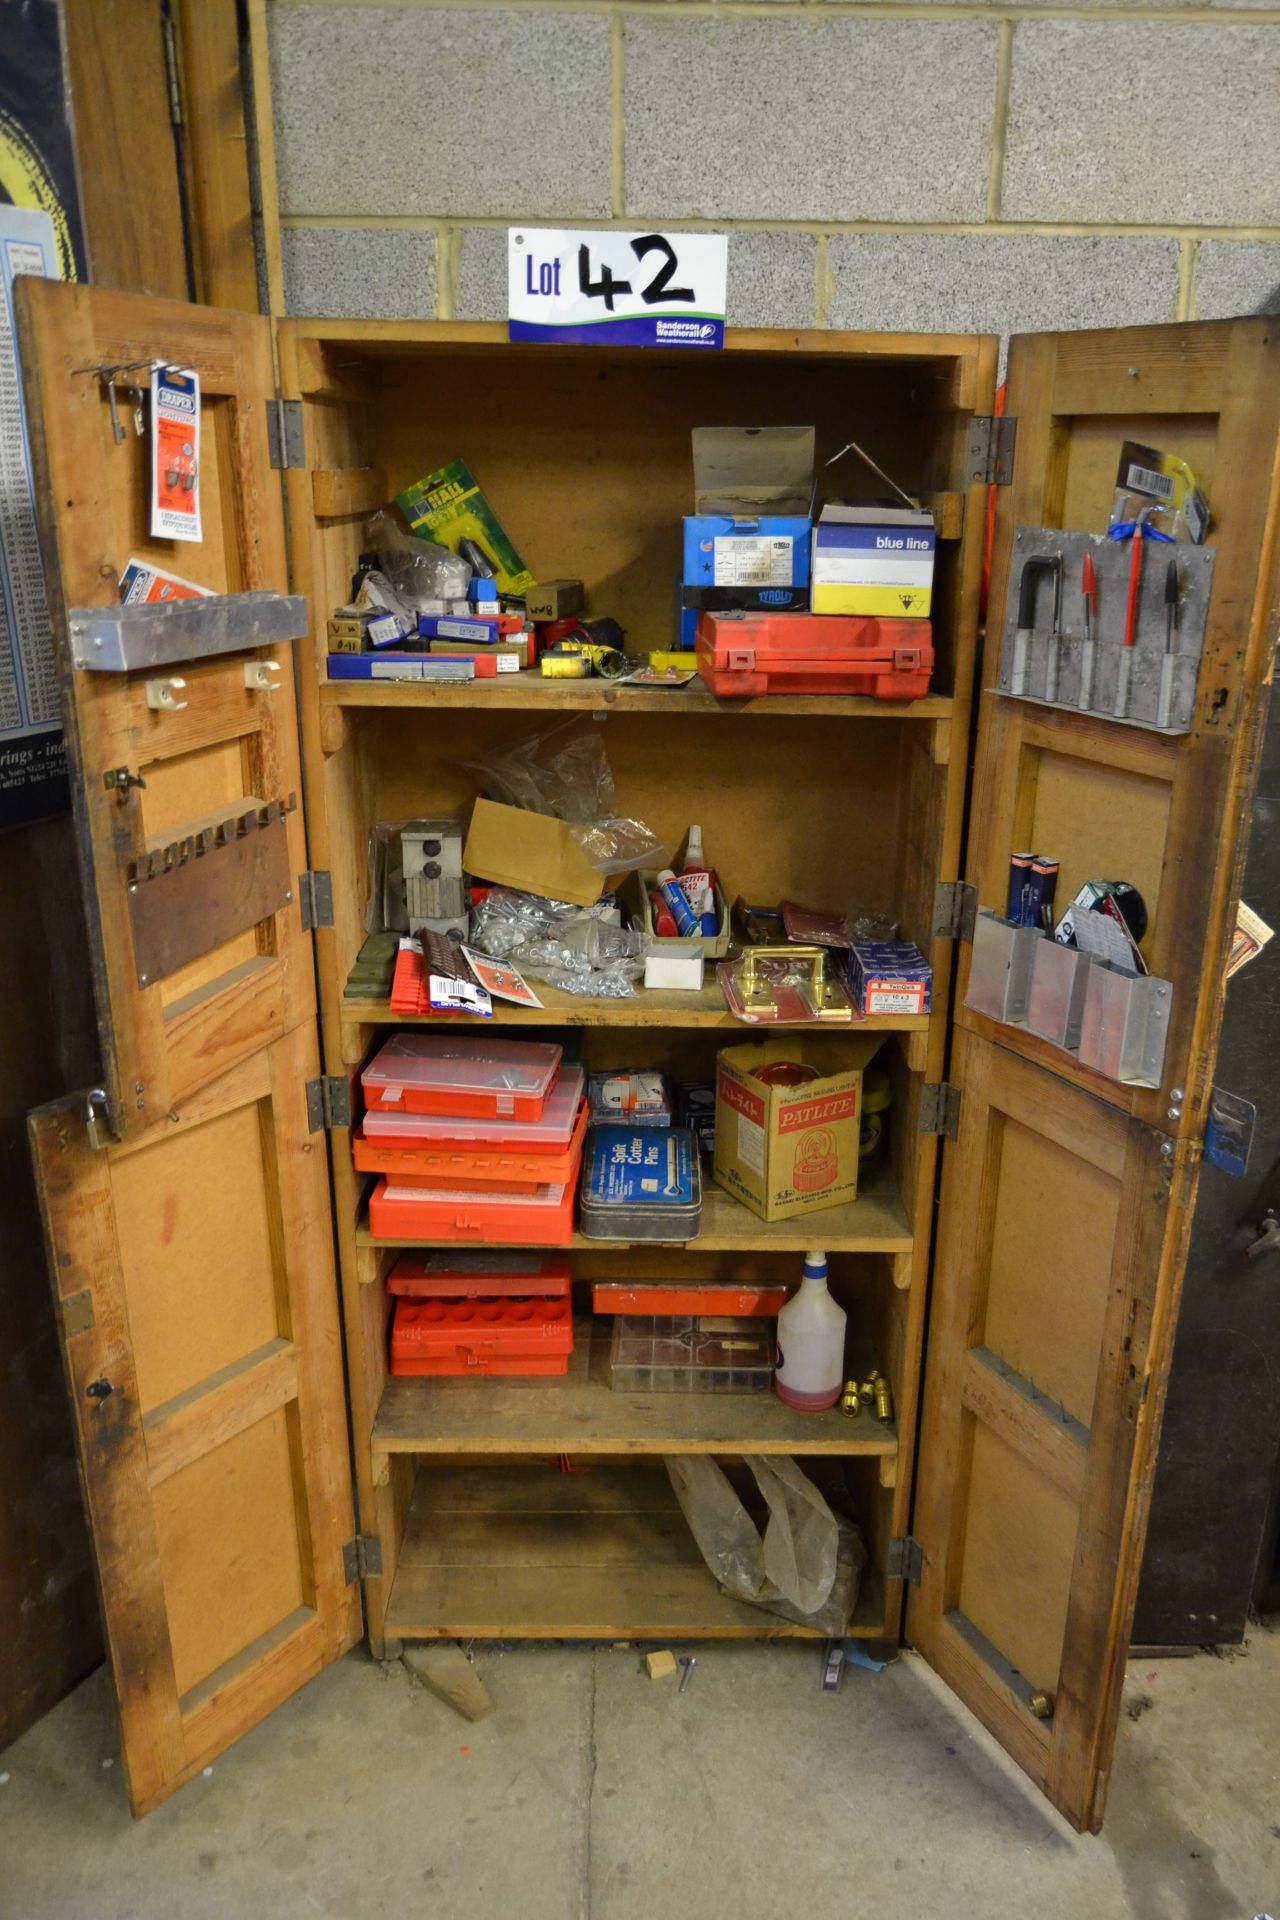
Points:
x=1268 y=1235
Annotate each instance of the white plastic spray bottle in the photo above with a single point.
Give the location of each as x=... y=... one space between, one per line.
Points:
x=809 y=1370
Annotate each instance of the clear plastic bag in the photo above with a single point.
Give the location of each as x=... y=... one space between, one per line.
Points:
x=564 y=771
x=581 y=949
x=807 y=1566
x=418 y=571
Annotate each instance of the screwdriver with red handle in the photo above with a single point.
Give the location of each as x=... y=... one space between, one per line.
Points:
x=1130 y=618
x=1089 y=588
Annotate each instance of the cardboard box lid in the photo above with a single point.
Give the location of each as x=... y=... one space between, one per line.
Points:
x=531 y=851
x=751 y=470
x=834 y=514
x=834 y=1052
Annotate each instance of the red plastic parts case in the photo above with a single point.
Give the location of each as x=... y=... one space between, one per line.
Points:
x=461 y=1074
x=552 y=1134
x=477 y=1336
x=759 y=653
x=425 y=1276
x=457 y=1164
x=541 y=1219
x=740 y=1300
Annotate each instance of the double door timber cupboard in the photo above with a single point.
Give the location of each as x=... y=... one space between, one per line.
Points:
x=195 y=1202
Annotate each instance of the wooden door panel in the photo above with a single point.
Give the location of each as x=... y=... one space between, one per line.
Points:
x=1109 y=800
x=206 y=1382
x=1039 y=1410
x=171 y=1025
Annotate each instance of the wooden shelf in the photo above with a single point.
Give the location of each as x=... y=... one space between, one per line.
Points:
x=873 y=1223
x=648 y=1007
x=580 y=1413
x=531 y=1553
x=529 y=693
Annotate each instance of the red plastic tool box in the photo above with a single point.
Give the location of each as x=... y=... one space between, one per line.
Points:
x=474 y=1276
x=740 y=1299
x=458 y=1215
x=461 y=1074
x=423 y=1161
x=758 y=653
x=477 y=1314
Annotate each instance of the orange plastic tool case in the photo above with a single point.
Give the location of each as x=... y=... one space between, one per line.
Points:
x=758 y=653
x=456 y=1163
x=740 y=1299
x=458 y=1214
x=461 y=1074
x=473 y=1276
x=493 y=1334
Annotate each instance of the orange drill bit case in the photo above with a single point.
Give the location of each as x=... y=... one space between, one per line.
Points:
x=750 y=654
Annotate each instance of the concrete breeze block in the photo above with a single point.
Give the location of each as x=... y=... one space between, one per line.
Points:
x=418 y=110
x=1142 y=122
x=359 y=273
x=843 y=118
x=771 y=277
x=1008 y=283
x=1235 y=277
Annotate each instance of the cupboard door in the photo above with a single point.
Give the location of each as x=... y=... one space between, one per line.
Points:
x=207 y=962
x=192 y=1253
x=1066 y=1197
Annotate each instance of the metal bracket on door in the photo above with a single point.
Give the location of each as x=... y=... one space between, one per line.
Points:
x=904 y=1560
x=361 y=1557
x=285 y=437
x=940 y=1110
x=989 y=448
x=955 y=910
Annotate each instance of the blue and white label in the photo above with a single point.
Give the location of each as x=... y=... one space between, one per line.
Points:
x=626 y=289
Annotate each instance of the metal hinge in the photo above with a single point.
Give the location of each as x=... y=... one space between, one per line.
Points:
x=940 y=1110
x=328 y=1103
x=955 y=908
x=315 y=899
x=171 y=68
x=284 y=433
x=905 y=1560
x=989 y=449
x=362 y=1557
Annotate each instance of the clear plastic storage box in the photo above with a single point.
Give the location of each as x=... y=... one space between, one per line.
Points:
x=461 y=1074
x=678 y=1354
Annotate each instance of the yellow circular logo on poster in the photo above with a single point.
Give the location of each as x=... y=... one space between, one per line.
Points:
x=25 y=181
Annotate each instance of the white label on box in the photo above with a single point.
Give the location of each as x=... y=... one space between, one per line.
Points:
x=857 y=568
x=894 y=996
x=742 y=560
x=751 y=1144
x=599 y=288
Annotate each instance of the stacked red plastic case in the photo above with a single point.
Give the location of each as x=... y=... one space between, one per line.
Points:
x=476 y=1139
x=480 y=1314
x=461 y=1074
x=750 y=654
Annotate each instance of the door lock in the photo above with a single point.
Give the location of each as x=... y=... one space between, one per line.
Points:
x=1268 y=1235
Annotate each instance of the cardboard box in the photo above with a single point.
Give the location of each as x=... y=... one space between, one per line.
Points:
x=532 y=851
x=514 y=650
x=554 y=600
x=784 y=1151
x=753 y=502
x=875 y=560
x=889 y=976
x=448 y=507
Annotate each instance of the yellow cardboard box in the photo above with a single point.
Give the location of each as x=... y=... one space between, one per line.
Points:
x=784 y=1151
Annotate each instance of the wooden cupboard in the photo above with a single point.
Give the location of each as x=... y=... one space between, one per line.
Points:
x=260 y=1492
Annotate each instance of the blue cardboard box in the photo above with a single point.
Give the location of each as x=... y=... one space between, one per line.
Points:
x=889 y=976
x=753 y=507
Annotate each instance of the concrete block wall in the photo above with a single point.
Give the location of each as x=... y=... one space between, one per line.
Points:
x=891 y=164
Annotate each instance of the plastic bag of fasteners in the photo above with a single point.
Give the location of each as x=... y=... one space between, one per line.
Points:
x=807 y=1565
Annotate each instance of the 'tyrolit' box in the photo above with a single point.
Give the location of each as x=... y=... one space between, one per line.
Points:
x=753 y=502
x=889 y=976
x=873 y=560
x=787 y=1150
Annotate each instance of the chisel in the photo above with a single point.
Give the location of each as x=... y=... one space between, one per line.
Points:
x=1171 y=593
x=1130 y=621
x=1089 y=588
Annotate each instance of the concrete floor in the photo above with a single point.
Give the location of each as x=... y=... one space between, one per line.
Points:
x=593 y=1791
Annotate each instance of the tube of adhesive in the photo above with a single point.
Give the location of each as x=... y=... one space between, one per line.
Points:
x=698 y=884
x=681 y=912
